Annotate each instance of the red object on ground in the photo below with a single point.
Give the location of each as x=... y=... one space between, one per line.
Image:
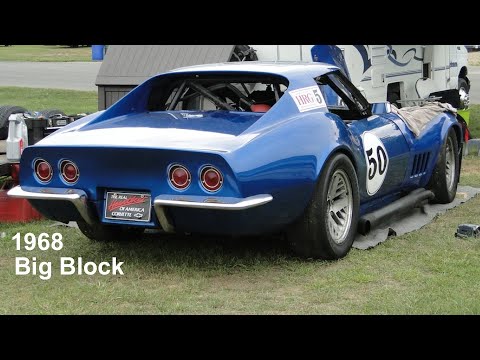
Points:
x=467 y=134
x=15 y=173
x=16 y=210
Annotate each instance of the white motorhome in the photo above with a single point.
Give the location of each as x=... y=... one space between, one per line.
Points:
x=397 y=73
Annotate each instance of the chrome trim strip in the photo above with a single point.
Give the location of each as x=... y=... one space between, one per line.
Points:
x=75 y=196
x=212 y=203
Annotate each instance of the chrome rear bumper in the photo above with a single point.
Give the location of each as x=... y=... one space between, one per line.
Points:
x=79 y=199
x=212 y=203
x=75 y=196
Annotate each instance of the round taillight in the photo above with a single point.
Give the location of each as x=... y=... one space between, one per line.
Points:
x=43 y=170
x=69 y=171
x=211 y=178
x=179 y=177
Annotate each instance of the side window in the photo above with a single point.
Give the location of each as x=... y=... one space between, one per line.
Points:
x=342 y=96
x=332 y=99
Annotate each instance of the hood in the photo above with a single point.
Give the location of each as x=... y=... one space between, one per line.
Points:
x=190 y=130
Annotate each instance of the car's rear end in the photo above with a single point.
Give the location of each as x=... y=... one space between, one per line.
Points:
x=184 y=152
x=132 y=186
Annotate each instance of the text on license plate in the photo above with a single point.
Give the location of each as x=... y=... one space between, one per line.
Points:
x=128 y=206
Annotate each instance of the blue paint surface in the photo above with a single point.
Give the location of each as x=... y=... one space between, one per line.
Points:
x=281 y=153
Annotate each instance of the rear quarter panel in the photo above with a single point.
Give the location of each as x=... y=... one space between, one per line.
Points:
x=286 y=160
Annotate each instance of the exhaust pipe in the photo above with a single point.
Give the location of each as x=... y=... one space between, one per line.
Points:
x=402 y=205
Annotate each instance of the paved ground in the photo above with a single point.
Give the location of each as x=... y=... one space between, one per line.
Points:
x=62 y=75
x=82 y=75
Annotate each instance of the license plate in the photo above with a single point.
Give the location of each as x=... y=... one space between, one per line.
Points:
x=128 y=206
x=61 y=122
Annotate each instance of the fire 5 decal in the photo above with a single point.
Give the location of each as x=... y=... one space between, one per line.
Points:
x=308 y=98
x=376 y=157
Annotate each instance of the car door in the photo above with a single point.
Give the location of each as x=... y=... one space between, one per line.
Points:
x=384 y=149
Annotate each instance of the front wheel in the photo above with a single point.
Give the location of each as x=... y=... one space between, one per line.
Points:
x=444 y=179
x=328 y=226
x=102 y=232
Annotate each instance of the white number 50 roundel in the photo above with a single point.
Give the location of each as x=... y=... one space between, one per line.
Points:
x=376 y=158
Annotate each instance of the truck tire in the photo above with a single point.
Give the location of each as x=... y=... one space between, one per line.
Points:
x=50 y=112
x=243 y=53
x=5 y=112
x=462 y=83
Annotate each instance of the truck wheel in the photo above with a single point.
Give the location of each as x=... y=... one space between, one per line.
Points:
x=5 y=112
x=50 y=112
x=444 y=179
x=463 y=84
x=102 y=232
x=328 y=226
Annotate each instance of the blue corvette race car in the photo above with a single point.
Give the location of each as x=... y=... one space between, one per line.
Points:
x=243 y=149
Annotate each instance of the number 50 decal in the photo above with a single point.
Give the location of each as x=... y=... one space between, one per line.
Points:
x=376 y=158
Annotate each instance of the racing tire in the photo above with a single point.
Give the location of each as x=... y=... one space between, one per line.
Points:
x=445 y=175
x=47 y=113
x=243 y=53
x=105 y=233
x=462 y=83
x=5 y=112
x=328 y=226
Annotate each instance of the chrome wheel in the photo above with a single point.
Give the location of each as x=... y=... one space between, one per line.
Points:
x=339 y=206
x=450 y=168
x=464 y=98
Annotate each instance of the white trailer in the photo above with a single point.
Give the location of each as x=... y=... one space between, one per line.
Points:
x=395 y=73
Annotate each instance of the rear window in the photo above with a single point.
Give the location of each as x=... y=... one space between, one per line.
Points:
x=217 y=92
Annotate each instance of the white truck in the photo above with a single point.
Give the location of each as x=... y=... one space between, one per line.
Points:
x=395 y=73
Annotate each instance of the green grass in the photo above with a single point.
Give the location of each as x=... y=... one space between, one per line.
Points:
x=33 y=99
x=72 y=101
x=44 y=53
x=425 y=272
x=474 y=125
x=474 y=58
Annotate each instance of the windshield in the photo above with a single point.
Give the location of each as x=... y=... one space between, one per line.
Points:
x=207 y=92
